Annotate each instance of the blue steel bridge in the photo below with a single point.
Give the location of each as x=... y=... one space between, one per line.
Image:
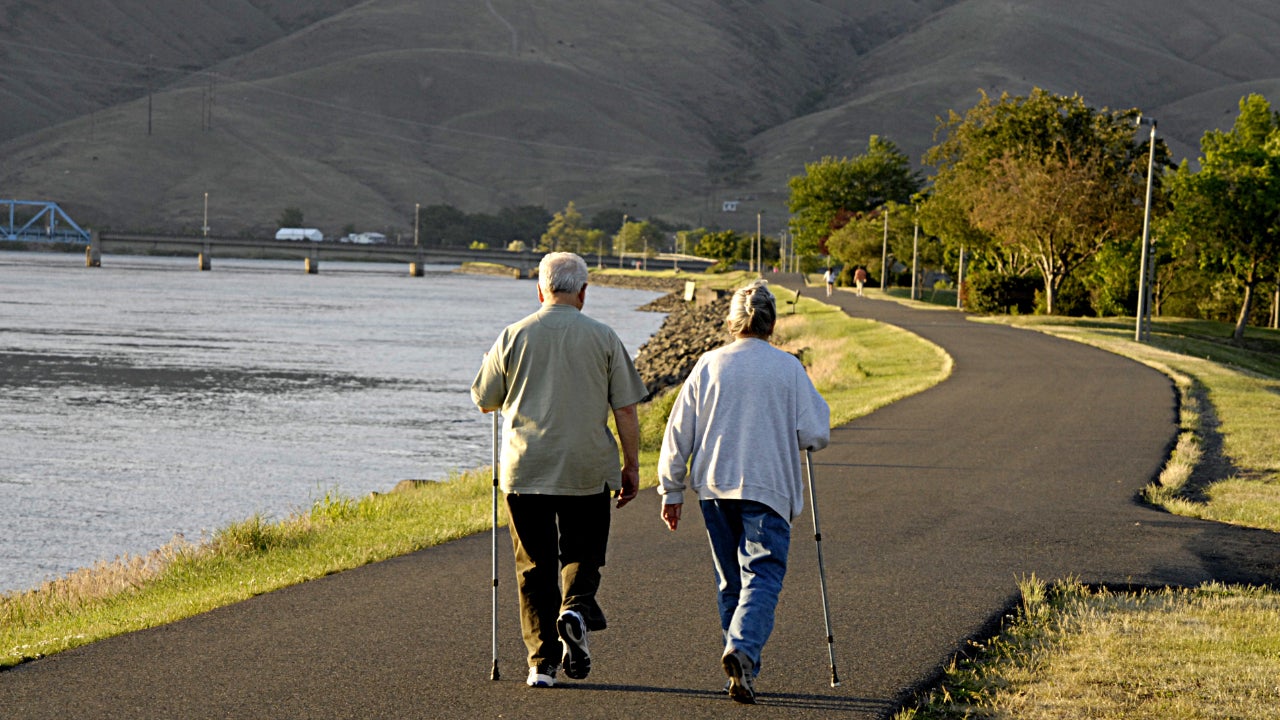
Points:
x=46 y=222
x=39 y=221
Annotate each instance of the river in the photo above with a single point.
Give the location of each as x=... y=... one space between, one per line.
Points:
x=145 y=399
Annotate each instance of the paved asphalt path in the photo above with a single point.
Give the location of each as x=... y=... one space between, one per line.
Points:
x=1026 y=460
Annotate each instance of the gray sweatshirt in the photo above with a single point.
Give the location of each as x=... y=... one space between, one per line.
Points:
x=737 y=428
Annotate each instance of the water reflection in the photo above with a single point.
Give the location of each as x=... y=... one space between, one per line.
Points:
x=146 y=399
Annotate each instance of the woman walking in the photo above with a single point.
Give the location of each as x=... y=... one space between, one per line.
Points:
x=734 y=439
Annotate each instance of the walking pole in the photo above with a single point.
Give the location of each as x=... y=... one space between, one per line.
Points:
x=822 y=573
x=493 y=674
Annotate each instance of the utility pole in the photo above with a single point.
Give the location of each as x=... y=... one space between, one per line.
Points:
x=759 y=246
x=416 y=208
x=150 y=60
x=915 y=256
x=1142 y=328
x=884 y=252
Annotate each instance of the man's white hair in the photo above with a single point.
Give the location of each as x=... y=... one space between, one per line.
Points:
x=561 y=272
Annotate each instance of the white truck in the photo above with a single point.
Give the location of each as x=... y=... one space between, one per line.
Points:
x=311 y=234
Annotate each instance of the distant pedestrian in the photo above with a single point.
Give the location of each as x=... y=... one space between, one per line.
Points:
x=830 y=278
x=556 y=375
x=860 y=278
x=734 y=438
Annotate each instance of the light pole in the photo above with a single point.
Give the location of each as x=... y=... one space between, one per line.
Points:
x=1142 y=327
x=759 y=246
x=622 y=240
x=915 y=258
x=416 y=208
x=884 y=251
x=206 y=216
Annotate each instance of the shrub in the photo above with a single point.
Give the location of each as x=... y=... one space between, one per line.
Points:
x=992 y=293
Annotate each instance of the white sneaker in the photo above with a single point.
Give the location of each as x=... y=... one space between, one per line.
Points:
x=542 y=676
x=573 y=638
x=741 y=683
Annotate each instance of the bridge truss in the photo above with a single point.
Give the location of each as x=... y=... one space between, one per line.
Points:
x=40 y=222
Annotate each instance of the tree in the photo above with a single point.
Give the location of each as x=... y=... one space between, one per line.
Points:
x=1229 y=211
x=525 y=222
x=636 y=238
x=443 y=224
x=567 y=232
x=862 y=241
x=722 y=246
x=832 y=191
x=290 y=218
x=1043 y=179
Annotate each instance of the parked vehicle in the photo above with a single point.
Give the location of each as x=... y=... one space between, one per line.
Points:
x=311 y=234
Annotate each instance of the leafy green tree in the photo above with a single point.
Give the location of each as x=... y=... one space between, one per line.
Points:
x=1229 y=211
x=722 y=246
x=833 y=191
x=609 y=220
x=568 y=232
x=290 y=218
x=524 y=222
x=1043 y=179
x=442 y=224
x=687 y=240
x=636 y=238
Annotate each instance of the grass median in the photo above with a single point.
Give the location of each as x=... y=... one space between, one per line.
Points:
x=1188 y=653
x=858 y=366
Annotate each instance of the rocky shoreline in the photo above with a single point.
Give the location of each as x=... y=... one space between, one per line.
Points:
x=690 y=329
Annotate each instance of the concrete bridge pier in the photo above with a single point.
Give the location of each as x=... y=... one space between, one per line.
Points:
x=416 y=267
x=205 y=258
x=93 y=253
x=312 y=263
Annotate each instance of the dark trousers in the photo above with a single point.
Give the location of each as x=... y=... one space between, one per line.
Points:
x=560 y=543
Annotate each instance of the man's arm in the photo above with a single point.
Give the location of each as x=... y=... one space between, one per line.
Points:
x=628 y=422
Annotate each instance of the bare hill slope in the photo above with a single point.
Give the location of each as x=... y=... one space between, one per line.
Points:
x=355 y=111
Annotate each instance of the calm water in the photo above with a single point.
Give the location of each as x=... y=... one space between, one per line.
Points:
x=146 y=399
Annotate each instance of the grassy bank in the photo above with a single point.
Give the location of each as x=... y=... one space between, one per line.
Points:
x=858 y=365
x=1207 y=652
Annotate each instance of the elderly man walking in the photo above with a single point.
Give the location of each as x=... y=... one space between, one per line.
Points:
x=556 y=375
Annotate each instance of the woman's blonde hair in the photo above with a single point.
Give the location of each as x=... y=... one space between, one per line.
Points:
x=752 y=311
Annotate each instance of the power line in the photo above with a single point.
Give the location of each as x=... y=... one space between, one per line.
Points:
x=234 y=84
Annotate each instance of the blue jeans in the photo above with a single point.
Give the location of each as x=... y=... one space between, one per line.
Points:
x=749 y=544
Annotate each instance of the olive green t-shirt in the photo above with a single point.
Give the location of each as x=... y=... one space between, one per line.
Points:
x=557 y=374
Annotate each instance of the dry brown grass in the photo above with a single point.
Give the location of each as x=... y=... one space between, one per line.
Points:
x=485 y=105
x=85 y=586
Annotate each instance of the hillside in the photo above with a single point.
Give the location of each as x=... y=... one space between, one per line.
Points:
x=354 y=111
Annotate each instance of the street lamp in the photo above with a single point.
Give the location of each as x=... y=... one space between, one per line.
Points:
x=759 y=246
x=622 y=240
x=416 y=208
x=884 y=251
x=915 y=258
x=206 y=215
x=1142 y=327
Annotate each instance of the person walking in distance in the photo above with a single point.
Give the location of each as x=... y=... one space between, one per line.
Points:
x=860 y=278
x=734 y=438
x=829 y=277
x=556 y=375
